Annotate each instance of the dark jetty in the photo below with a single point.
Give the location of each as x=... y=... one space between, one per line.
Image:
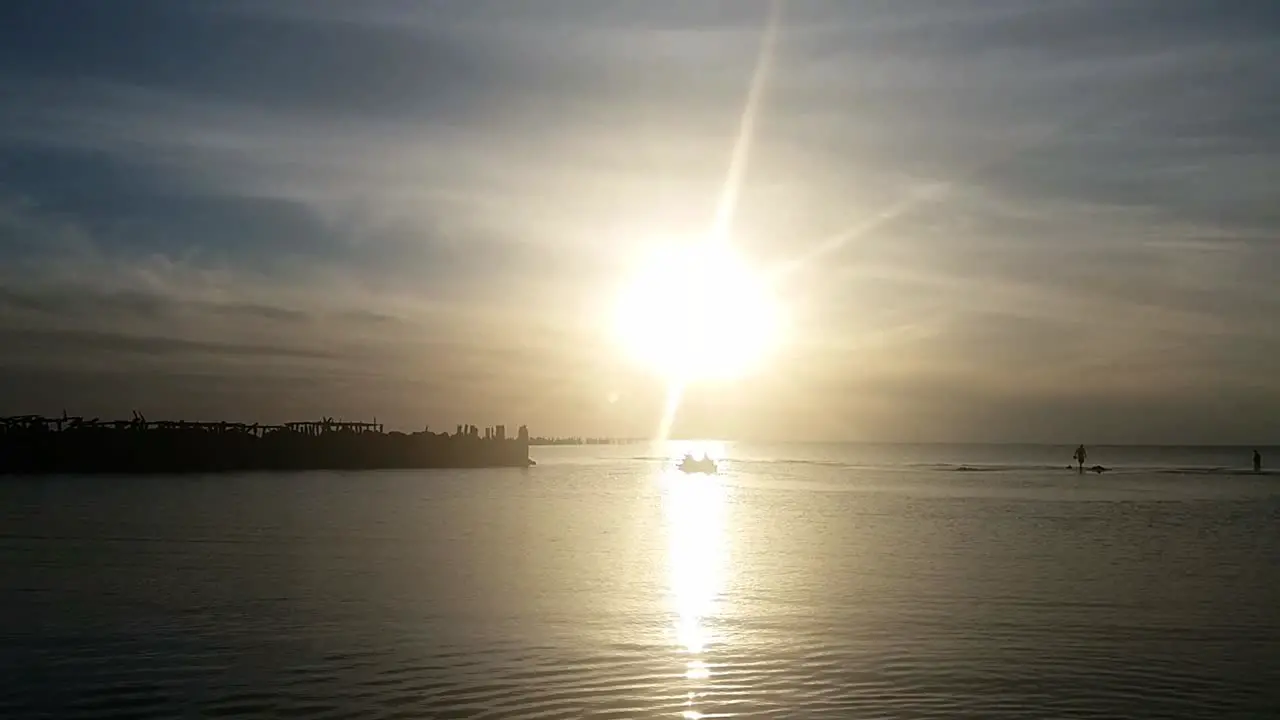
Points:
x=31 y=444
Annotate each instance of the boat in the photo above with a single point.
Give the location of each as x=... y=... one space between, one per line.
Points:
x=703 y=466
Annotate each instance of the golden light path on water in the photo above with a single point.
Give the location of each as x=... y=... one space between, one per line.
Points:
x=695 y=508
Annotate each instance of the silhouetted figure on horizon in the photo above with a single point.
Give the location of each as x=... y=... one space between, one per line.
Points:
x=1257 y=461
x=1080 y=456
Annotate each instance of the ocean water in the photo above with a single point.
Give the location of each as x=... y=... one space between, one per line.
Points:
x=803 y=581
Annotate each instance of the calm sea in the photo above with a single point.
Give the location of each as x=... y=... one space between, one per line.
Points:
x=802 y=582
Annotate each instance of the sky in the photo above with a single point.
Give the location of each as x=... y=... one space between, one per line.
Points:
x=1002 y=221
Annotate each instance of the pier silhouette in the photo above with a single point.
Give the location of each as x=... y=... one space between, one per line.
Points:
x=33 y=444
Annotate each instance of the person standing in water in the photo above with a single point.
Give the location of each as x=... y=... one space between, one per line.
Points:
x=1080 y=456
x=1257 y=461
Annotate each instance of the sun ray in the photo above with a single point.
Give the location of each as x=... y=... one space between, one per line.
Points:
x=675 y=391
x=938 y=191
x=840 y=239
x=727 y=206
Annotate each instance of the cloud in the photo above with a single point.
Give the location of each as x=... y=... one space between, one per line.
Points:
x=427 y=204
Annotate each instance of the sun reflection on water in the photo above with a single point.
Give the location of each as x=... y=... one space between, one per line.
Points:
x=695 y=512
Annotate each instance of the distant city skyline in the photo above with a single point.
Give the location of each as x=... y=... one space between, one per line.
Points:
x=1002 y=220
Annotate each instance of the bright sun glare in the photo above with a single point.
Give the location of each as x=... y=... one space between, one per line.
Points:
x=698 y=313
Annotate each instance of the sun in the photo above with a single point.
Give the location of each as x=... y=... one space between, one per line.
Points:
x=698 y=313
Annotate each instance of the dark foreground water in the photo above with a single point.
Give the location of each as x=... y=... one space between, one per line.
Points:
x=803 y=582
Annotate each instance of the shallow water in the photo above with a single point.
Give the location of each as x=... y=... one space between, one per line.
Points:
x=818 y=581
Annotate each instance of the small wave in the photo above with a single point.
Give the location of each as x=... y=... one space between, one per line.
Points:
x=953 y=467
x=804 y=462
x=981 y=468
x=1226 y=471
x=927 y=674
x=1106 y=469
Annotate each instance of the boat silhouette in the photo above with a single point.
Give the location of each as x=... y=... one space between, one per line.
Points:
x=703 y=465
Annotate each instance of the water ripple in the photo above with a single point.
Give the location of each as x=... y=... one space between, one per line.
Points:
x=510 y=598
